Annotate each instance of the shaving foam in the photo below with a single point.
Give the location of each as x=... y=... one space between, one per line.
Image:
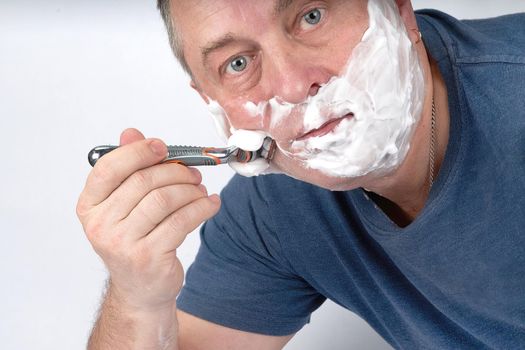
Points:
x=249 y=140
x=220 y=119
x=382 y=88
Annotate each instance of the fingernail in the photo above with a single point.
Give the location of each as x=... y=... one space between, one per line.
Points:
x=158 y=148
x=203 y=189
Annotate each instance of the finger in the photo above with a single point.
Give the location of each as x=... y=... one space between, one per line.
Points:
x=130 y=193
x=171 y=232
x=130 y=135
x=113 y=168
x=158 y=205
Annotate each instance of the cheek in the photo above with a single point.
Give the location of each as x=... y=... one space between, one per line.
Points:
x=242 y=118
x=352 y=21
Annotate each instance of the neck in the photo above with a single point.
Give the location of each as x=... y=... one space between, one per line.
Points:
x=403 y=194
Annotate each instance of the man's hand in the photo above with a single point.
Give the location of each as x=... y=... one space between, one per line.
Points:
x=136 y=213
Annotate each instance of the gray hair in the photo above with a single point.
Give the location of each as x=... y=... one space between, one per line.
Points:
x=174 y=38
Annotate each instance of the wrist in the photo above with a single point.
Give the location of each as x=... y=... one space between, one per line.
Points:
x=153 y=327
x=135 y=304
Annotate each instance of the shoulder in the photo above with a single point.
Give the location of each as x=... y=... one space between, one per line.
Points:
x=247 y=225
x=498 y=39
x=242 y=277
x=283 y=205
x=487 y=65
x=280 y=209
x=267 y=201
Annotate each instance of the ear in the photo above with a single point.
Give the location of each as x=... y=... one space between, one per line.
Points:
x=407 y=13
x=202 y=94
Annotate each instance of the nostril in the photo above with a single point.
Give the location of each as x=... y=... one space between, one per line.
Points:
x=314 y=89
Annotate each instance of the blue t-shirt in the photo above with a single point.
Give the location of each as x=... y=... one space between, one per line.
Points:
x=454 y=278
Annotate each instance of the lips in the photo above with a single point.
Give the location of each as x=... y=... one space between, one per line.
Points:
x=324 y=129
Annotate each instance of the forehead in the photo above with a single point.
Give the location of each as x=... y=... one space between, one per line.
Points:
x=203 y=25
x=211 y=7
x=206 y=18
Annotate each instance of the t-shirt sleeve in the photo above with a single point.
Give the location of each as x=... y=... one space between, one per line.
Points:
x=241 y=278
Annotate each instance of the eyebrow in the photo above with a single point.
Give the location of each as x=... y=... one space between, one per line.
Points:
x=281 y=5
x=225 y=40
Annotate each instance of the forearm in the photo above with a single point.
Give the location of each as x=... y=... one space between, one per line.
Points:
x=120 y=327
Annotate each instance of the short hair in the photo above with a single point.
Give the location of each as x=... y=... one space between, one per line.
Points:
x=174 y=38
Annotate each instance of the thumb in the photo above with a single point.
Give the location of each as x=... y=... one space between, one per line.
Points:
x=130 y=135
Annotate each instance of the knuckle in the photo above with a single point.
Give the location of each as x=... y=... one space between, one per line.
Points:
x=142 y=179
x=81 y=208
x=191 y=174
x=161 y=199
x=200 y=206
x=142 y=152
x=208 y=209
x=94 y=231
x=191 y=192
x=184 y=174
x=178 y=221
x=205 y=207
x=103 y=171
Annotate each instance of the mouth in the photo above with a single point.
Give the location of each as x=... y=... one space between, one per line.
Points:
x=324 y=129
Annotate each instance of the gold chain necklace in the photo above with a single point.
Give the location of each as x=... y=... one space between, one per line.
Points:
x=432 y=154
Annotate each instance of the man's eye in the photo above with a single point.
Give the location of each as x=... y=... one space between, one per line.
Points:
x=238 y=64
x=312 y=18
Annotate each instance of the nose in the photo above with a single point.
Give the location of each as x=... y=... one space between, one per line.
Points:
x=294 y=73
x=290 y=73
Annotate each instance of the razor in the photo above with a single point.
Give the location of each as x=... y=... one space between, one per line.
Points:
x=197 y=156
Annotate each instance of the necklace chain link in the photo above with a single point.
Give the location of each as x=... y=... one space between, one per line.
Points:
x=432 y=155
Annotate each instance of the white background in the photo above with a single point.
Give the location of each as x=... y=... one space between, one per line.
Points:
x=73 y=74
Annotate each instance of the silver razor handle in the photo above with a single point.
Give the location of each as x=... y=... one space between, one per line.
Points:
x=197 y=156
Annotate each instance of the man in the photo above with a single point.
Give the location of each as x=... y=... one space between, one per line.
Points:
x=429 y=261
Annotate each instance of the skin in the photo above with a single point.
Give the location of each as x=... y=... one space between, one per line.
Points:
x=291 y=61
x=137 y=212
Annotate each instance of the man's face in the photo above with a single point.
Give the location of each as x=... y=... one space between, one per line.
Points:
x=240 y=51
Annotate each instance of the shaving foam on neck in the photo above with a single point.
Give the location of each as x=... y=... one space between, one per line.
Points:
x=382 y=87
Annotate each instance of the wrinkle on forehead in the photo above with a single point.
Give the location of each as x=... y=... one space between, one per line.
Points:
x=281 y=5
x=239 y=18
x=197 y=13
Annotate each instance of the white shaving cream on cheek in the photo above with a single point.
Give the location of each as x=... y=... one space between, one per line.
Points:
x=222 y=124
x=383 y=87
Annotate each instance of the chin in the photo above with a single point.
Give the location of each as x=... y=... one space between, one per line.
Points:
x=297 y=169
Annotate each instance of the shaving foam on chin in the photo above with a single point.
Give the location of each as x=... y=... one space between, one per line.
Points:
x=382 y=87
